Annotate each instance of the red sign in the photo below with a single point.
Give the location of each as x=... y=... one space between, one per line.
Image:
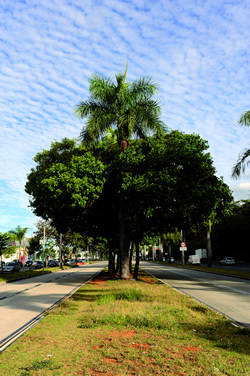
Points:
x=183 y=244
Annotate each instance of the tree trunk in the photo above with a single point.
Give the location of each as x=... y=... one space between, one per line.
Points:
x=131 y=256
x=209 y=248
x=160 y=251
x=169 y=251
x=153 y=252
x=111 y=258
x=137 y=260
x=124 y=243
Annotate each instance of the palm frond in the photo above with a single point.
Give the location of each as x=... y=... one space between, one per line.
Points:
x=241 y=164
x=245 y=119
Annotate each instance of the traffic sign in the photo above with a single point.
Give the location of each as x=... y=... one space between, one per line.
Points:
x=183 y=248
x=183 y=244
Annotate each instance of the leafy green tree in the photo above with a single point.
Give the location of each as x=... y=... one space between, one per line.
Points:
x=171 y=183
x=230 y=235
x=222 y=208
x=6 y=246
x=69 y=175
x=34 y=247
x=243 y=157
x=169 y=239
x=129 y=109
x=19 y=234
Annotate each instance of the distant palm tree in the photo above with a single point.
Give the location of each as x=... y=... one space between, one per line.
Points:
x=242 y=160
x=19 y=234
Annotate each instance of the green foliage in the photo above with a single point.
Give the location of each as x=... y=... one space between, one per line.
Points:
x=66 y=181
x=7 y=246
x=34 y=246
x=235 y=226
x=125 y=106
x=245 y=118
x=170 y=182
x=243 y=159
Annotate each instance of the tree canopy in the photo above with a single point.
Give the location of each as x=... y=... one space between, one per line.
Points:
x=166 y=182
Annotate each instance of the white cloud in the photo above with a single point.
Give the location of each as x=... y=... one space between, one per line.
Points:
x=197 y=51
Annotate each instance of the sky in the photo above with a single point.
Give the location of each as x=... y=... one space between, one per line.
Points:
x=196 y=50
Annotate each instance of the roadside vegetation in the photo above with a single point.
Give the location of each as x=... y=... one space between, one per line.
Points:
x=8 y=277
x=129 y=327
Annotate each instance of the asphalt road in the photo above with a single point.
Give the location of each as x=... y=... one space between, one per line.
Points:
x=230 y=296
x=24 y=301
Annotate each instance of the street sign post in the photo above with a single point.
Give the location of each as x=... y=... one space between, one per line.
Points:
x=183 y=248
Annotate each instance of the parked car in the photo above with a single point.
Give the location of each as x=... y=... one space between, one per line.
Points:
x=11 y=267
x=38 y=264
x=52 y=263
x=193 y=260
x=171 y=259
x=70 y=262
x=228 y=261
x=19 y=262
x=29 y=263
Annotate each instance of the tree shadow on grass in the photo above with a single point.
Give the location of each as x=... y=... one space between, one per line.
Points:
x=222 y=334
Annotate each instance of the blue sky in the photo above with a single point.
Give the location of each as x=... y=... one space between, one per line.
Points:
x=196 y=50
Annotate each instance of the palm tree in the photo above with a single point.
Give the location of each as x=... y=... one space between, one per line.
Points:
x=242 y=160
x=129 y=110
x=19 y=234
x=127 y=107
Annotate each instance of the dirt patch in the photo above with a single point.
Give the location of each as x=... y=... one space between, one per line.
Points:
x=141 y=346
x=99 y=280
x=190 y=349
x=111 y=360
x=123 y=334
x=97 y=347
x=148 y=280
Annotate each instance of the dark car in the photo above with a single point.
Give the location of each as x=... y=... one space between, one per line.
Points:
x=19 y=262
x=228 y=261
x=29 y=263
x=38 y=264
x=52 y=263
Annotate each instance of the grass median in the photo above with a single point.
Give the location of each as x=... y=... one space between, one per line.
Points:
x=113 y=327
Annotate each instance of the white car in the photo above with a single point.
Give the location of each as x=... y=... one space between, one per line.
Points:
x=11 y=267
x=228 y=261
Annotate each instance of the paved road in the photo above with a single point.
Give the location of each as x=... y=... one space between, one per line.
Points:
x=228 y=295
x=23 y=301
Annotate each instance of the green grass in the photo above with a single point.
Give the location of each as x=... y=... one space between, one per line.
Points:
x=114 y=327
